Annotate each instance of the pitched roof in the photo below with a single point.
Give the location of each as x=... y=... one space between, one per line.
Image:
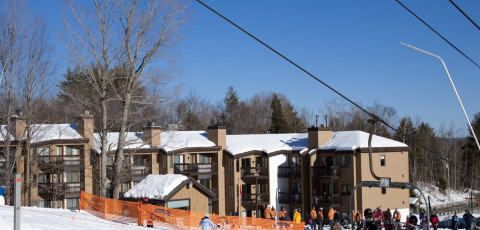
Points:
x=156 y=186
x=267 y=143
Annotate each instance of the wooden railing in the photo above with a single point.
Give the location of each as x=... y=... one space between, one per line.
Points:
x=58 y=160
x=196 y=168
x=326 y=171
x=60 y=188
x=255 y=172
x=289 y=198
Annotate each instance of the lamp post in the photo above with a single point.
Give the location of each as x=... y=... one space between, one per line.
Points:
x=454 y=89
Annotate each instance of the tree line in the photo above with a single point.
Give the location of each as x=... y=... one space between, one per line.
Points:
x=114 y=47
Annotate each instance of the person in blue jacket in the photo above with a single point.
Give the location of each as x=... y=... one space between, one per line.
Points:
x=468 y=219
x=206 y=223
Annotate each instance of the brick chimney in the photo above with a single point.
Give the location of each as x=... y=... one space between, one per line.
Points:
x=218 y=135
x=86 y=126
x=18 y=126
x=318 y=136
x=151 y=134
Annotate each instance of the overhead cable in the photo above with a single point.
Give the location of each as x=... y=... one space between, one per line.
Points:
x=464 y=14
x=447 y=41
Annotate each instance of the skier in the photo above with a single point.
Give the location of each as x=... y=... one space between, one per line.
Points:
x=206 y=223
x=397 y=217
x=296 y=216
x=370 y=223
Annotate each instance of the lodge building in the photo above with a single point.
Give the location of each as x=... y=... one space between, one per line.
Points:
x=243 y=173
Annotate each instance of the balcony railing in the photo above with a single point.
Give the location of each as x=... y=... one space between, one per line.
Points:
x=197 y=168
x=326 y=171
x=58 y=160
x=289 y=171
x=326 y=200
x=60 y=188
x=252 y=198
x=289 y=198
x=132 y=170
x=255 y=172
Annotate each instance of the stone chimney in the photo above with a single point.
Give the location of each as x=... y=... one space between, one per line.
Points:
x=218 y=135
x=318 y=136
x=151 y=134
x=86 y=126
x=18 y=126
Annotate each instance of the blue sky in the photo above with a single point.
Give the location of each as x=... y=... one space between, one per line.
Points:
x=354 y=46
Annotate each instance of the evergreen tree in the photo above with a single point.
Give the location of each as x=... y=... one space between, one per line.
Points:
x=229 y=111
x=279 y=125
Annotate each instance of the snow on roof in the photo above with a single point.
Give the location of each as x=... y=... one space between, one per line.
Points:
x=3 y=133
x=266 y=142
x=170 y=140
x=413 y=200
x=173 y=140
x=351 y=140
x=45 y=132
x=132 y=140
x=156 y=186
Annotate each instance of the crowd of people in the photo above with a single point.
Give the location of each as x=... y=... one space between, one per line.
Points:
x=367 y=220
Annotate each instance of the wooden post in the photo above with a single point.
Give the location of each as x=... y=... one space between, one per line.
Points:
x=104 y=208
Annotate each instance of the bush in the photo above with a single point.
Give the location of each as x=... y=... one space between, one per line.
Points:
x=442 y=185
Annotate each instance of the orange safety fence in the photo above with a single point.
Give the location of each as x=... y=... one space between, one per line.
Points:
x=147 y=214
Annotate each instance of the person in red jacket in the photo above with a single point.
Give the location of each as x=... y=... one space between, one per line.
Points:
x=434 y=220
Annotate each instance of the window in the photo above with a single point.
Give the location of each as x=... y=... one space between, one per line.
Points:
x=43 y=178
x=382 y=160
x=72 y=177
x=384 y=190
x=59 y=151
x=71 y=151
x=206 y=183
x=44 y=204
x=124 y=187
x=43 y=152
x=171 y=161
x=295 y=161
x=238 y=168
x=72 y=203
x=346 y=189
x=346 y=162
x=246 y=163
x=110 y=161
x=205 y=159
x=261 y=162
x=230 y=191
x=179 y=159
x=138 y=160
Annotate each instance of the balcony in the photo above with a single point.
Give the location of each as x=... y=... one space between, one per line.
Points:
x=327 y=200
x=196 y=169
x=130 y=173
x=289 y=171
x=62 y=188
x=326 y=172
x=58 y=161
x=289 y=198
x=251 y=200
x=249 y=175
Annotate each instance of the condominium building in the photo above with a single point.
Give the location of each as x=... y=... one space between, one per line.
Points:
x=245 y=172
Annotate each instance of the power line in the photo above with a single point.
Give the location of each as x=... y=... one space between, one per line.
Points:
x=452 y=45
x=331 y=88
x=464 y=14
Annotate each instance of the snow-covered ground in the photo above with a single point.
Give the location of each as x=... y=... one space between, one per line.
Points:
x=58 y=219
x=438 y=198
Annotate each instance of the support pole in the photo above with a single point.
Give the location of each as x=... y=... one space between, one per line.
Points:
x=16 y=214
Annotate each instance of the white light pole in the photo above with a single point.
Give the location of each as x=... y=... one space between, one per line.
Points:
x=454 y=89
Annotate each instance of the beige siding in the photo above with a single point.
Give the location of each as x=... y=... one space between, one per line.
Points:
x=198 y=200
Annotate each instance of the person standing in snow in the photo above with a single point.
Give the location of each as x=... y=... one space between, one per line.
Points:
x=206 y=223
x=434 y=220
x=273 y=213
x=455 y=221
x=296 y=216
x=468 y=219
x=267 y=214
x=397 y=217
x=331 y=213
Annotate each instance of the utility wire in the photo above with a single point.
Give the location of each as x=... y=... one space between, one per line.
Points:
x=452 y=45
x=464 y=14
x=331 y=88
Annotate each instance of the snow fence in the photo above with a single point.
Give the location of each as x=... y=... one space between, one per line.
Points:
x=147 y=214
